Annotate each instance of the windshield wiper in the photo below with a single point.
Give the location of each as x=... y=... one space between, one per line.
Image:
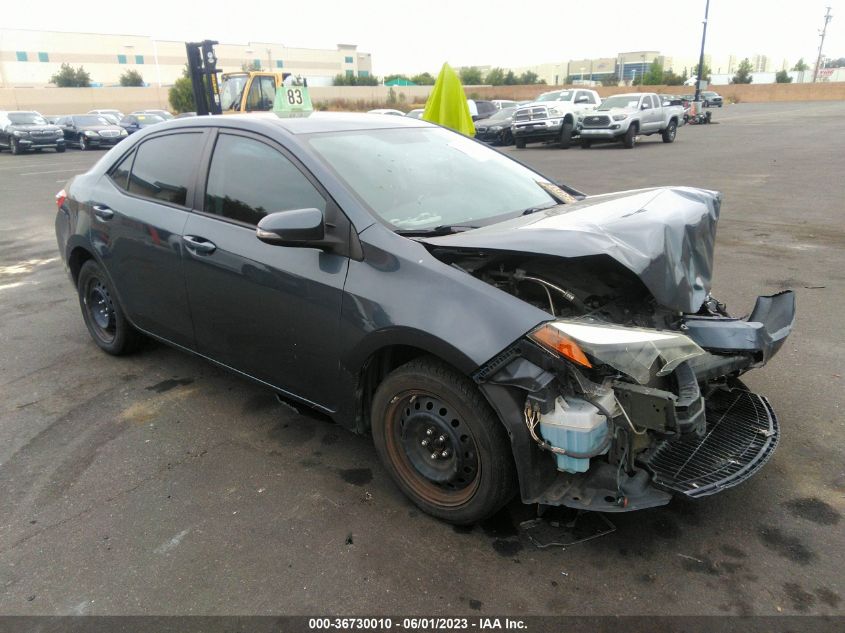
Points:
x=442 y=229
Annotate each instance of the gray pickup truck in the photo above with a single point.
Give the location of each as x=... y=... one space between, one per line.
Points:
x=625 y=117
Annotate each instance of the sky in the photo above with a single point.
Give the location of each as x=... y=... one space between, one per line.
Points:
x=413 y=37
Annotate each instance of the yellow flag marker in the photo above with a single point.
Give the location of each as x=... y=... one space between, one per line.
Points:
x=447 y=103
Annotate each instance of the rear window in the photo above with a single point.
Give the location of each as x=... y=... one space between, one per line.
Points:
x=120 y=172
x=164 y=167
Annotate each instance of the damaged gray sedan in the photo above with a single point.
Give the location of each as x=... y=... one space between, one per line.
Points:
x=492 y=330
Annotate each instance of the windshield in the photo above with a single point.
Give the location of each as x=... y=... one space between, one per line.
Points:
x=563 y=95
x=90 y=119
x=148 y=119
x=504 y=113
x=230 y=95
x=620 y=101
x=421 y=178
x=27 y=118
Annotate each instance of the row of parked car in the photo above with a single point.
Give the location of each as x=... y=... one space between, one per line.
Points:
x=22 y=131
x=561 y=116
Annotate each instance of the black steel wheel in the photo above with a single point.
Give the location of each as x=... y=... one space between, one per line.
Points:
x=441 y=443
x=102 y=313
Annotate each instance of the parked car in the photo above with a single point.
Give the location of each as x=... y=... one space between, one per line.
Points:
x=492 y=330
x=554 y=117
x=416 y=113
x=134 y=122
x=21 y=131
x=183 y=115
x=113 y=113
x=111 y=118
x=480 y=109
x=389 y=111
x=164 y=114
x=87 y=131
x=497 y=128
x=711 y=99
x=622 y=118
x=501 y=104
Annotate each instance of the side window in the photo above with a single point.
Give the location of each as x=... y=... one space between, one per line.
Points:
x=164 y=167
x=262 y=93
x=248 y=179
x=655 y=101
x=120 y=172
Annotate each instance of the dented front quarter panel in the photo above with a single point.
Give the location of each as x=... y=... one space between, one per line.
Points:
x=666 y=236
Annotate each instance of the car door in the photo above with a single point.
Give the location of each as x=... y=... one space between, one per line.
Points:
x=138 y=212
x=266 y=310
x=646 y=115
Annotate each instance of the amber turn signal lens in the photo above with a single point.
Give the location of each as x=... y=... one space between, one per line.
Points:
x=553 y=339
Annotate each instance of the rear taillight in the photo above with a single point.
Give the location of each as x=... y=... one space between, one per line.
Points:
x=60 y=198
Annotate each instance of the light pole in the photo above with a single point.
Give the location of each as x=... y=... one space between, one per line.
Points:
x=827 y=18
x=701 y=56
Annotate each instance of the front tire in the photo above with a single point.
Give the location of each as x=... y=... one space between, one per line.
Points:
x=83 y=143
x=14 y=148
x=566 y=136
x=669 y=133
x=630 y=138
x=441 y=443
x=102 y=313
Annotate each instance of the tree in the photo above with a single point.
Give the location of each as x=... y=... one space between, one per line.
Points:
x=68 y=77
x=654 y=75
x=611 y=80
x=743 y=73
x=800 y=66
x=528 y=78
x=471 y=76
x=782 y=77
x=495 y=77
x=254 y=65
x=423 y=79
x=510 y=79
x=835 y=63
x=181 y=94
x=671 y=79
x=131 y=78
x=343 y=79
x=705 y=76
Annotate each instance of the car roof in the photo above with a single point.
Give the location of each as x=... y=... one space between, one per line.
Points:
x=314 y=123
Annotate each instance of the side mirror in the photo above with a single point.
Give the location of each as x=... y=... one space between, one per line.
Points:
x=581 y=100
x=292 y=228
x=644 y=106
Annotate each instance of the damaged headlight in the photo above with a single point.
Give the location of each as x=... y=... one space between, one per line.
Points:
x=632 y=351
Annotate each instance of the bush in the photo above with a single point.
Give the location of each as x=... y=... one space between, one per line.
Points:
x=69 y=77
x=131 y=78
x=782 y=77
x=181 y=95
x=743 y=73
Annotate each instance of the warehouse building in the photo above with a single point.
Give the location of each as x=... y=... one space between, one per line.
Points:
x=30 y=58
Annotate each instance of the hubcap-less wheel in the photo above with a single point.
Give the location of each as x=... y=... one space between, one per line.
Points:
x=100 y=308
x=433 y=448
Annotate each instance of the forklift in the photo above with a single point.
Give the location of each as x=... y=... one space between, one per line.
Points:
x=252 y=91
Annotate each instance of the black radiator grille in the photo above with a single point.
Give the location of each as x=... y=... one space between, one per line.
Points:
x=741 y=435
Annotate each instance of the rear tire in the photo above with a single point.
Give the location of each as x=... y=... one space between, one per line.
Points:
x=669 y=133
x=630 y=138
x=60 y=149
x=441 y=443
x=520 y=143
x=102 y=313
x=566 y=136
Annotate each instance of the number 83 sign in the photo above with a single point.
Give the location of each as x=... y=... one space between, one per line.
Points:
x=292 y=101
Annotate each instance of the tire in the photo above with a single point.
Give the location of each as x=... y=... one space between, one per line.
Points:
x=520 y=143
x=507 y=138
x=566 y=136
x=586 y=143
x=426 y=408
x=669 y=133
x=102 y=313
x=83 y=143
x=60 y=149
x=14 y=148
x=630 y=138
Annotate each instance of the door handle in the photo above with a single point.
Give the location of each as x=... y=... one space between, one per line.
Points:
x=199 y=244
x=103 y=212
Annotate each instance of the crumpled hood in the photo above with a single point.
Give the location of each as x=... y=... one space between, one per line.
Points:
x=665 y=236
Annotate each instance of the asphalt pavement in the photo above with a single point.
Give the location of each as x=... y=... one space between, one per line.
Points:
x=160 y=484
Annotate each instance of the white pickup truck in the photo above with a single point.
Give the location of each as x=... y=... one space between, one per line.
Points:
x=553 y=116
x=627 y=116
